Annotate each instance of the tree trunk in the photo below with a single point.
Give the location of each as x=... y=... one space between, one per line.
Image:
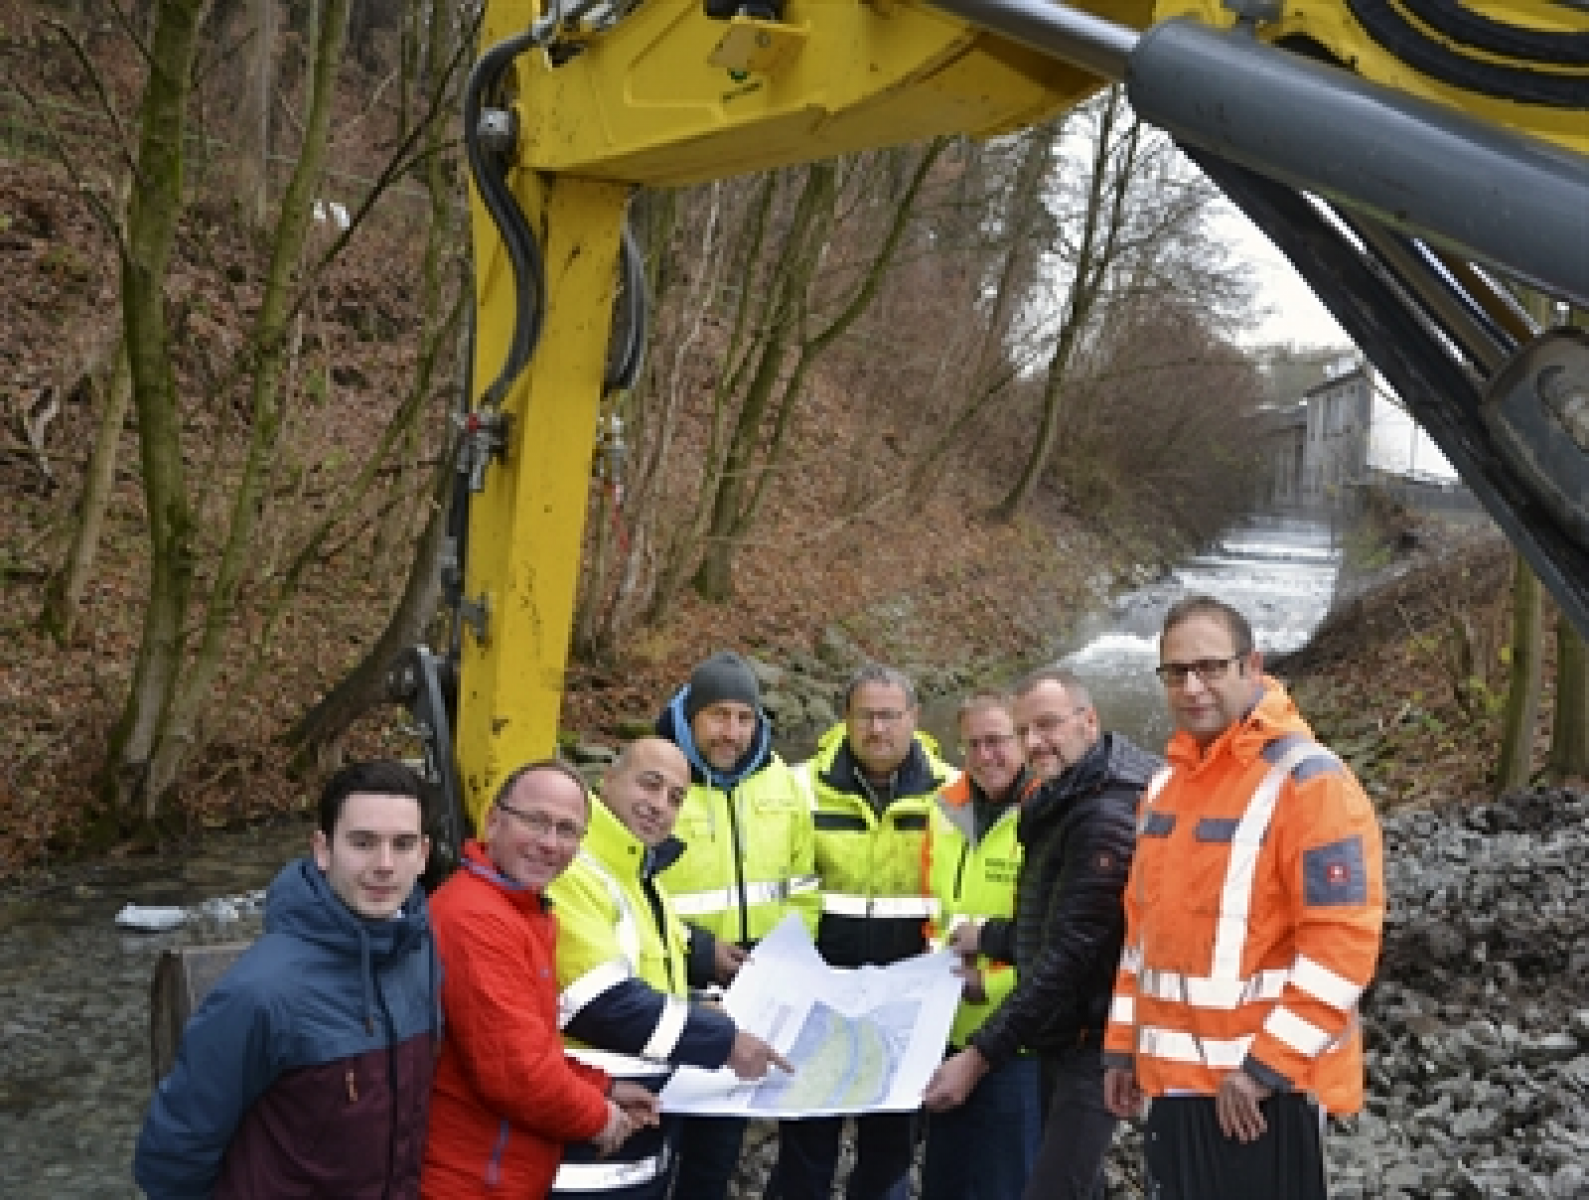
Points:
x=714 y=578
x=1515 y=763
x=151 y=229
x=364 y=687
x=994 y=371
x=181 y=731
x=321 y=728
x=1102 y=234
x=753 y=456
x=1569 y=736
x=63 y=600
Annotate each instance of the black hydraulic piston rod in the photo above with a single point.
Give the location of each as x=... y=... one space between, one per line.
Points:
x=1489 y=194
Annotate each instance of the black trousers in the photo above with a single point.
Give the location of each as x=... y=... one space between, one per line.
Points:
x=1188 y=1158
x=1077 y=1129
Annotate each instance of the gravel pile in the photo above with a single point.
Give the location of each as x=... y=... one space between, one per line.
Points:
x=1478 y=1025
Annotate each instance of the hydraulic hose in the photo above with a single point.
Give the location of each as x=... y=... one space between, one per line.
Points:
x=1520 y=84
x=623 y=368
x=1495 y=37
x=489 y=173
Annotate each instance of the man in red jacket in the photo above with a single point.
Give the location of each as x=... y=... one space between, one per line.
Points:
x=506 y=1098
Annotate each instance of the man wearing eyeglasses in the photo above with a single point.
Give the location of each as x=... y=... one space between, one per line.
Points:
x=1076 y=832
x=872 y=781
x=507 y=1099
x=1253 y=919
x=621 y=967
x=970 y=867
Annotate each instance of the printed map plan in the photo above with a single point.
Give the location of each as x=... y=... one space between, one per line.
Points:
x=860 y=1041
x=844 y=1063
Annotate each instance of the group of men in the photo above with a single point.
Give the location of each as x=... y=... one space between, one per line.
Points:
x=1188 y=938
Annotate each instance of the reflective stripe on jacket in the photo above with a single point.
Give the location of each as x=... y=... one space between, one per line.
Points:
x=869 y=862
x=747 y=861
x=622 y=1001
x=971 y=878
x=1253 y=916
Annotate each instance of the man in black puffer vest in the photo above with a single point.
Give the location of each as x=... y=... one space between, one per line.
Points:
x=1077 y=832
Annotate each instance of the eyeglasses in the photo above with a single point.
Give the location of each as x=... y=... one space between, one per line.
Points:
x=541 y=825
x=1206 y=669
x=1050 y=722
x=879 y=716
x=989 y=742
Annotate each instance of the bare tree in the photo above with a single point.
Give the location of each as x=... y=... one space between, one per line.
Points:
x=1131 y=227
x=170 y=712
x=145 y=253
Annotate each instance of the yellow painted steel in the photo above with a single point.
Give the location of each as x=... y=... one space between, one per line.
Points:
x=525 y=528
x=645 y=102
x=666 y=97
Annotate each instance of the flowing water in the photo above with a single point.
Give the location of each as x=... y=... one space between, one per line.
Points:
x=1280 y=572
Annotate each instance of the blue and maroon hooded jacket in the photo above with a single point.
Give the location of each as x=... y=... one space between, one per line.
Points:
x=306 y=1071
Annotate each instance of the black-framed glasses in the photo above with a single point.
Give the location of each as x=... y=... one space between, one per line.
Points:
x=541 y=825
x=1206 y=669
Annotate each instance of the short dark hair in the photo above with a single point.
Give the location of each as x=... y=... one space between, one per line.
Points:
x=981 y=702
x=383 y=776
x=555 y=765
x=1064 y=676
x=1199 y=605
x=878 y=673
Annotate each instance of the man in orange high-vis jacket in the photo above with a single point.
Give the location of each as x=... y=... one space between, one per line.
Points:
x=1253 y=914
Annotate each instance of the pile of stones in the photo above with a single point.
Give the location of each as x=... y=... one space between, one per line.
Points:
x=1478 y=1024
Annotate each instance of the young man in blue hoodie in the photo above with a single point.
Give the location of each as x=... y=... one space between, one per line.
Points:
x=307 y=1069
x=747 y=863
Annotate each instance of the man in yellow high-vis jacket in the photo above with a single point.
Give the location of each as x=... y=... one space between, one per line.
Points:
x=623 y=998
x=746 y=864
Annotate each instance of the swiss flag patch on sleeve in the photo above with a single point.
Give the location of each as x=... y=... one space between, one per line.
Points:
x=1335 y=874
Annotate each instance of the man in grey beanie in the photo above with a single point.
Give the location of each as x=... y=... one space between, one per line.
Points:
x=747 y=863
x=723 y=676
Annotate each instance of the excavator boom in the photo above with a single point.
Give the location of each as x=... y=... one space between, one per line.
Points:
x=1414 y=159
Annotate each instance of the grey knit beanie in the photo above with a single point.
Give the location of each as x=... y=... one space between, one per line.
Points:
x=724 y=676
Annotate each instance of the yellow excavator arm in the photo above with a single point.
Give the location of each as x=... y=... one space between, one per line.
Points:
x=1407 y=155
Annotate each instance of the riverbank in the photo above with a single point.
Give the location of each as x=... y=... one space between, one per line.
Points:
x=1406 y=676
x=1374 y=680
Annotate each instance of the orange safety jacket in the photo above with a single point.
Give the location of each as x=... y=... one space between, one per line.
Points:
x=1253 y=916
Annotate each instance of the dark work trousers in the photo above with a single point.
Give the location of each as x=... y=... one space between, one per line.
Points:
x=1077 y=1128
x=1188 y=1158
x=708 y=1154
x=808 y=1157
x=984 y=1149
